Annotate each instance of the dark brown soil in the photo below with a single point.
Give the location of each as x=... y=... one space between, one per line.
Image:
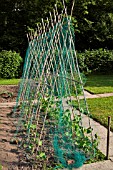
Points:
x=9 y=152
x=8 y=93
x=11 y=157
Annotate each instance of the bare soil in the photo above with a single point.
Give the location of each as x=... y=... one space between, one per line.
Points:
x=8 y=93
x=11 y=156
x=9 y=152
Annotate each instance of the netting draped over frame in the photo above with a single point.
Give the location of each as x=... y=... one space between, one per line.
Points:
x=54 y=133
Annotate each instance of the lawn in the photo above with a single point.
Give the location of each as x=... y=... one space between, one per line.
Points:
x=0 y=167
x=9 y=81
x=99 y=84
x=101 y=108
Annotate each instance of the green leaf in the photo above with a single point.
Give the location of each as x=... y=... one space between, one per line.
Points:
x=40 y=143
x=42 y=155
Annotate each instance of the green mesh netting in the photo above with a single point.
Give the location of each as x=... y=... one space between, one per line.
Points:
x=53 y=133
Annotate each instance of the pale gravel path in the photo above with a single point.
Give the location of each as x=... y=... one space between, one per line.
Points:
x=87 y=95
x=103 y=165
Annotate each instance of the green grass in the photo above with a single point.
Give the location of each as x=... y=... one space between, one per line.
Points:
x=99 y=84
x=0 y=167
x=98 y=157
x=101 y=108
x=9 y=81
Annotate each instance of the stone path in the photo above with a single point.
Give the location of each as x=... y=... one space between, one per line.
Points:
x=87 y=95
x=103 y=165
x=102 y=133
x=97 y=129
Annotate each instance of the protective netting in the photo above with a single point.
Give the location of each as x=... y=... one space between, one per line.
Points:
x=52 y=132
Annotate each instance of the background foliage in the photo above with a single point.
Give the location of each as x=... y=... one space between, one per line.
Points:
x=92 y=20
x=9 y=64
x=100 y=60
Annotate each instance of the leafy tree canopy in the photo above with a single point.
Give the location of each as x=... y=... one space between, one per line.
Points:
x=93 y=21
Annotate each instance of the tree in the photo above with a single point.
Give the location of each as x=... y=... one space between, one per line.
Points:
x=16 y=16
x=13 y=27
x=93 y=22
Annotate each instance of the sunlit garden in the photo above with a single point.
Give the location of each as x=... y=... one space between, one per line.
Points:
x=56 y=84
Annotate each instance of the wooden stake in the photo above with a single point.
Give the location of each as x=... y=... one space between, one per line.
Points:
x=108 y=138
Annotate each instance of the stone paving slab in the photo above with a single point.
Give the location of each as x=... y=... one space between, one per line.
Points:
x=87 y=95
x=98 y=129
x=103 y=165
x=105 y=95
x=101 y=131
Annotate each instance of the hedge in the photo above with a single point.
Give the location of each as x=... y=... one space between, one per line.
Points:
x=10 y=63
x=100 y=60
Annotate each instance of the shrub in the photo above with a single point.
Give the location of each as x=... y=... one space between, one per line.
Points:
x=9 y=64
x=100 y=60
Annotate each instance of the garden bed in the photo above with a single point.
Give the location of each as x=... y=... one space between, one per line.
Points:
x=22 y=160
x=12 y=156
x=8 y=93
